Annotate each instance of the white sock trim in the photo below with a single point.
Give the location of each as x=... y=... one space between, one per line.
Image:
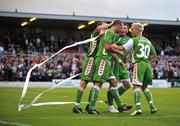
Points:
x=146 y=90
x=81 y=89
x=114 y=88
x=77 y=104
x=151 y=102
x=138 y=103
x=137 y=89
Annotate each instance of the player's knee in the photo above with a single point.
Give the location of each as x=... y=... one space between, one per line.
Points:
x=98 y=87
x=126 y=84
x=83 y=84
x=145 y=90
x=113 y=83
x=136 y=87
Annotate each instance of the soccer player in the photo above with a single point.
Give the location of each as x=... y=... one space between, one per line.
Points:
x=142 y=52
x=103 y=69
x=88 y=64
x=121 y=73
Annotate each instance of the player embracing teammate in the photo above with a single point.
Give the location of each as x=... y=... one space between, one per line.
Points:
x=142 y=52
x=108 y=44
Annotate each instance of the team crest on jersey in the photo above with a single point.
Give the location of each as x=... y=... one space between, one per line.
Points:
x=89 y=66
x=101 y=67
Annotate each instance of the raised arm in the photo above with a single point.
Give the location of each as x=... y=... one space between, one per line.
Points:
x=103 y=27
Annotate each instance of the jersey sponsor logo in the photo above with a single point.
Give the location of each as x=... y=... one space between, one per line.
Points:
x=135 y=78
x=89 y=66
x=94 y=44
x=101 y=67
x=135 y=72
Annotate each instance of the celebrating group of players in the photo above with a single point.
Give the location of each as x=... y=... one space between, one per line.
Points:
x=105 y=62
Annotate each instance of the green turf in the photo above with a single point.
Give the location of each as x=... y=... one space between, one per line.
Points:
x=166 y=100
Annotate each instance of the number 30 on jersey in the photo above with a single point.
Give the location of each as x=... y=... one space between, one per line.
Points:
x=144 y=51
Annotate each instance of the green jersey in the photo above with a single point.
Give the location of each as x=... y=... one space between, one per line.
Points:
x=121 y=41
x=107 y=37
x=92 y=50
x=142 y=48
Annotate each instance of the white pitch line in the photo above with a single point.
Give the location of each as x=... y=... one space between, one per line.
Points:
x=13 y=123
x=107 y=117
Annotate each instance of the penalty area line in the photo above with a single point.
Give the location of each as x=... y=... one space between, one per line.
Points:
x=13 y=123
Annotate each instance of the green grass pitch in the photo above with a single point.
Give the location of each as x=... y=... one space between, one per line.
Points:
x=166 y=100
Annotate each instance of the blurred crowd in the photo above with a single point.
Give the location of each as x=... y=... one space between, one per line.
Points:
x=21 y=49
x=166 y=67
x=65 y=64
x=35 y=41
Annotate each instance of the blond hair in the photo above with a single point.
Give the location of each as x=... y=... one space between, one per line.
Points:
x=138 y=26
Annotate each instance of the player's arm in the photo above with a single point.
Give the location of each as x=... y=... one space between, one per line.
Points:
x=109 y=48
x=116 y=58
x=153 y=54
x=116 y=51
x=103 y=27
x=120 y=48
x=152 y=57
x=109 y=39
x=126 y=46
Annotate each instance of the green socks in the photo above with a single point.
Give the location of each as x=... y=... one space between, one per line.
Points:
x=109 y=98
x=93 y=97
x=149 y=97
x=116 y=97
x=121 y=90
x=89 y=96
x=79 y=96
x=137 y=98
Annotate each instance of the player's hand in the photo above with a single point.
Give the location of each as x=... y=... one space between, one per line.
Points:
x=114 y=45
x=102 y=32
x=112 y=22
x=121 y=63
x=121 y=52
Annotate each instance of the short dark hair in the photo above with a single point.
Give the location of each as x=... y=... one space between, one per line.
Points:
x=126 y=25
x=117 y=22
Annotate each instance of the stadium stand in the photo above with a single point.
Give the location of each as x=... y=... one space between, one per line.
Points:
x=21 y=49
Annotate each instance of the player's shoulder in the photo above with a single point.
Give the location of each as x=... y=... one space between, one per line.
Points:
x=135 y=38
x=109 y=31
x=147 y=40
x=141 y=39
x=117 y=36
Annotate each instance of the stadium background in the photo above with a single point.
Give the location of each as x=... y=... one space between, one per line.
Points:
x=56 y=25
